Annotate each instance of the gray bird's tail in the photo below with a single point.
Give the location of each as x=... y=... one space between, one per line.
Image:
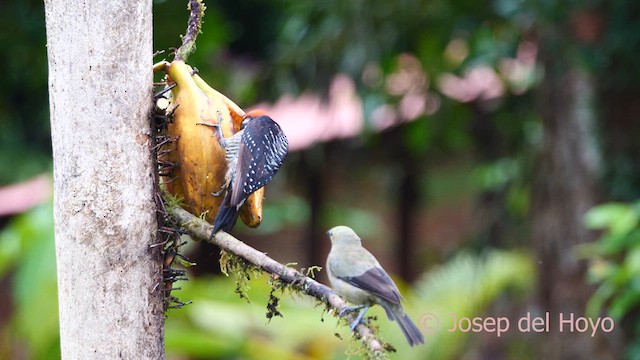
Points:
x=396 y=313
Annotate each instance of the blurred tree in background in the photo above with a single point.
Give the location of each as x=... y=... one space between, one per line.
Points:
x=25 y=145
x=486 y=132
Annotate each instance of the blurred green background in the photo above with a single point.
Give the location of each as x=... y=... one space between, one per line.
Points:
x=486 y=151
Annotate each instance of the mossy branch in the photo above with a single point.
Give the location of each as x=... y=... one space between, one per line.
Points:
x=194 y=27
x=200 y=229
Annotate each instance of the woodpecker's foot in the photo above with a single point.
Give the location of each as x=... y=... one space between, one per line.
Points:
x=219 y=192
x=358 y=320
x=209 y=125
x=217 y=130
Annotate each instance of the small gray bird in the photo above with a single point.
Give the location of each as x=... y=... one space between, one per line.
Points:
x=357 y=276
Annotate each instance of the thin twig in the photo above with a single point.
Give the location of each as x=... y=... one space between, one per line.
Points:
x=194 y=25
x=199 y=229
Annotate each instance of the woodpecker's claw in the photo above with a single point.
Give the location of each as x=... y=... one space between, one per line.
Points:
x=218 y=130
x=209 y=125
x=218 y=193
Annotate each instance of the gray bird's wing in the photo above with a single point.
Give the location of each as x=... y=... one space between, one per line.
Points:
x=377 y=282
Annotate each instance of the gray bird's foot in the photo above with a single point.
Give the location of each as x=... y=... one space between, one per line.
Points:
x=358 y=320
x=349 y=309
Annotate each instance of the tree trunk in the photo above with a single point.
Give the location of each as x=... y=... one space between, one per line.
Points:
x=564 y=189
x=100 y=57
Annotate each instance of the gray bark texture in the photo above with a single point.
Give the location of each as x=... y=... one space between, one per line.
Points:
x=100 y=60
x=564 y=188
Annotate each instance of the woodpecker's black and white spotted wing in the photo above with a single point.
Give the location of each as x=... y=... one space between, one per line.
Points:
x=263 y=148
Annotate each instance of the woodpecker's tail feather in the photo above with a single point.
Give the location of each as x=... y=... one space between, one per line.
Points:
x=411 y=332
x=227 y=216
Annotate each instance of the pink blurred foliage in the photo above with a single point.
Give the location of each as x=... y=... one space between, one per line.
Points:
x=481 y=82
x=410 y=83
x=20 y=197
x=308 y=119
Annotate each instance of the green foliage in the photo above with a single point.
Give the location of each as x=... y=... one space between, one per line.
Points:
x=285 y=210
x=362 y=220
x=27 y=249
x=614 y=264
x=497 y=174
x=506 y=176
x=614 y=258
x=25 y=146
x=234 y=328
x=218 y=31
x=466 y=285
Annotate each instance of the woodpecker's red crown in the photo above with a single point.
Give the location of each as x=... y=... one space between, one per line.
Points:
x=254 y=114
